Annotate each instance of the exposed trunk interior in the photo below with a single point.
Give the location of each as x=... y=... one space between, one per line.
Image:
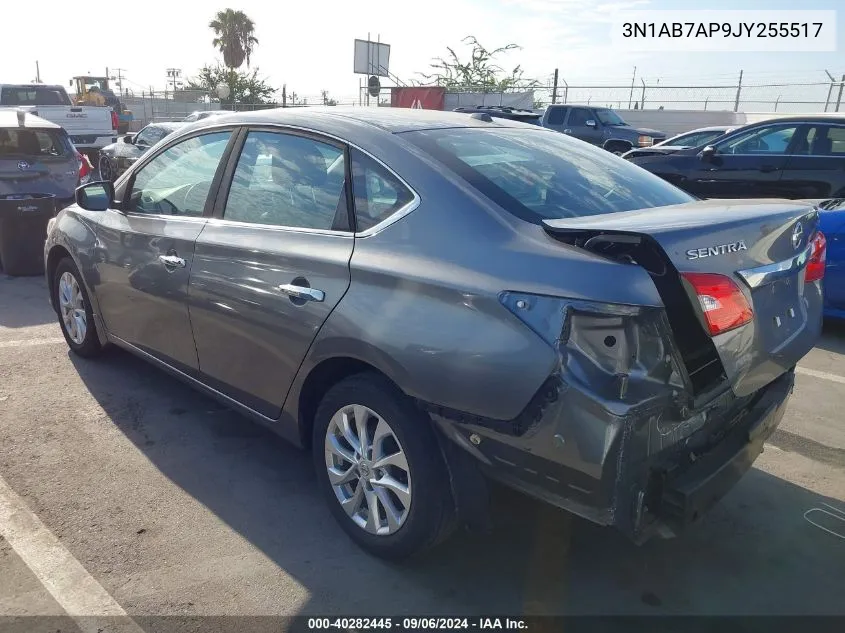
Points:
x=699 y=354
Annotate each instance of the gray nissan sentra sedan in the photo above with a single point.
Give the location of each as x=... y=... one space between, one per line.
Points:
x=426 y=299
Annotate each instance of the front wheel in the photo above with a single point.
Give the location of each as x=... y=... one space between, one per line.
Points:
x=107 y=168
x=380 y=468
x=75 y=316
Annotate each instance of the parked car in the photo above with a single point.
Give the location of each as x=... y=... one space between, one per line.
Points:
x=503 y=112
x=117 y=157
x=832 y=224
x=794 y=157
x=90 y=128
x=36 y=156
x=599 y=126
x=199 y=115
x=695 y=138
x=493 y=299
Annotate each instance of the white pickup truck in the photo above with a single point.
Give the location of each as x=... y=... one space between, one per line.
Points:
x=89 y=127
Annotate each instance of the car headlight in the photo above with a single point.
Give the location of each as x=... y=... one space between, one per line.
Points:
x=645 y=141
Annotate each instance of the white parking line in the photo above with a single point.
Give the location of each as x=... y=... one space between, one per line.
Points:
x=82 y=597
x=29 y=342
x=820 y=374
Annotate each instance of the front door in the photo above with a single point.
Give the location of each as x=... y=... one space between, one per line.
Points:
x=577 y=125
x=146 y=249
x=271 y=265
x=746 y=165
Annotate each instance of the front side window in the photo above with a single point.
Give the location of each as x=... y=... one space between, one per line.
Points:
x=557 y=115
x=539 y=175
x=289 y=180
x=579 y=117
x=177 y=181
x=765 y=140
x=378 y=193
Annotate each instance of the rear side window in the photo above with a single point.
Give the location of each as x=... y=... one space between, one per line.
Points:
x=289 y=180
x=537 y=175
x=378 y=193
x=37 y=143
x=33 y=96
x=556 y=116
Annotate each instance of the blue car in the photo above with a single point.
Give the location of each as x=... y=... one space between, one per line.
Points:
x=832 y=224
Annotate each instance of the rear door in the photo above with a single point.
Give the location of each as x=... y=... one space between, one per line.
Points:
x=271 y=265
x=146 y=246
x=748 y=164
x=815 y=167
x=555 y=117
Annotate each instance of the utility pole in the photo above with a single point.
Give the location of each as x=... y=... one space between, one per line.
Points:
x=554 y=88
x=119 y=79
x=284 y=95
x=829 y=90
x=37 y=73
x=173 y=74
x=631 y=96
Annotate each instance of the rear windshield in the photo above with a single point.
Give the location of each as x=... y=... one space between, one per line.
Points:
x=538 y=174
x=33 y=96
x=33 y=143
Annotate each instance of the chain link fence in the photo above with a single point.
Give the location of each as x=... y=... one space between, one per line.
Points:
x=769 y=97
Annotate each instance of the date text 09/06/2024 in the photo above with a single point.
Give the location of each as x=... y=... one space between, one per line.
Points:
x=417 y=624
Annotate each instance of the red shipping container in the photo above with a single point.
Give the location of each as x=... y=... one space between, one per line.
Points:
x=419 y=98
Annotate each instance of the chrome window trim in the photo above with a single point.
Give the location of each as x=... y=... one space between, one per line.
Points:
x=278 y=227
x=397 y=215
x=762 y=275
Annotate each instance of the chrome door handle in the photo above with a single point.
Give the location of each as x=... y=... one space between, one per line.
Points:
x=302 y=292
x=172 y=261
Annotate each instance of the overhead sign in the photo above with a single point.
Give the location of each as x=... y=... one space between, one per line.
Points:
x=418 y=98
x=372 y=58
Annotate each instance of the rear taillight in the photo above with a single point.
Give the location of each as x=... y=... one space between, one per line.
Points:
x=816 y=263
x=114 y=120
x=722 y=302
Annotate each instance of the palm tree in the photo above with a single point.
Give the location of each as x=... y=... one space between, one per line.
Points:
x=234 y=37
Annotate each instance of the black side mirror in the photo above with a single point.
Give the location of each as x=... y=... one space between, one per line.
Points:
x=95 y=196
x=707 y=153
x=129 y=138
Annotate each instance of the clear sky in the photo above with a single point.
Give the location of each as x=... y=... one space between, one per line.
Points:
x=309 y=45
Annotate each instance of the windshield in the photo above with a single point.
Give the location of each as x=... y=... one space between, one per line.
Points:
x=540 y=175
x=693 y=139
x=609 y=117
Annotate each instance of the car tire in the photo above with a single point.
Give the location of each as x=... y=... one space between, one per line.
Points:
x=106 y=168
x=428 y=517
x=74 y=310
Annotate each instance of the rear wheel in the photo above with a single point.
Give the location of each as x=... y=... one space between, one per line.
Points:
x=75 y=316
x=380 y=468
x=106 y=168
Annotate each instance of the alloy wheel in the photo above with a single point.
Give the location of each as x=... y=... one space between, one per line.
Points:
x=368 y=470
x=72 y=305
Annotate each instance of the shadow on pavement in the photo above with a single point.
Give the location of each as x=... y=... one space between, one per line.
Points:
x=24 y=301
x=833 y=336
x=754 y=553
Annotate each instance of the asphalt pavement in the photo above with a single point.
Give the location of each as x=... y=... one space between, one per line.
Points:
x=126 y=491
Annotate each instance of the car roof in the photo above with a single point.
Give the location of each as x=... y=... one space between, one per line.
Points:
x=329 y=118
x=9 y=118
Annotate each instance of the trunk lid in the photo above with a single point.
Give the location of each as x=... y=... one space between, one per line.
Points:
x=761 y=245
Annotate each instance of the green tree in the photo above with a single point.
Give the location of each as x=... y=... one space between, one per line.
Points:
x=244 y=87
x=234 y=37
x=479 y=72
